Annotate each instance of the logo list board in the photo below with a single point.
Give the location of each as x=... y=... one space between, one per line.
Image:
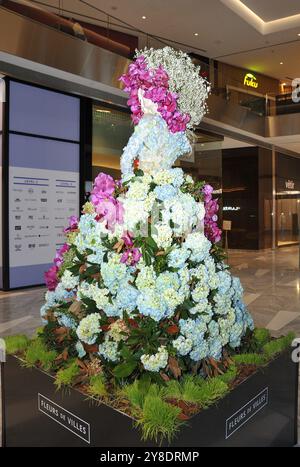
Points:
x=41 y=200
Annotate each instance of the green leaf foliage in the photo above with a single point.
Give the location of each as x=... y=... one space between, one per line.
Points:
x=125 y=369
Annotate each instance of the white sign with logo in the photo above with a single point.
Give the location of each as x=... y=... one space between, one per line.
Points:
x=40 y=203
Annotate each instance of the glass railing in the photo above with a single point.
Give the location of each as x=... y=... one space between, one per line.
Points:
x=263 y=105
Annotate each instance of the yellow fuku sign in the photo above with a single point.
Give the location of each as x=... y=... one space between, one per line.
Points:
x=250 y=80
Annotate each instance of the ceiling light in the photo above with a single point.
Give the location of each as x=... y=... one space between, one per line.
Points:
x=281 y=63
x=298 y=34
x=144 y=17
x=196 y=34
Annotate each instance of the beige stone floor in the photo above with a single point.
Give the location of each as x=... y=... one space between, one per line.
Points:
x=271 y=281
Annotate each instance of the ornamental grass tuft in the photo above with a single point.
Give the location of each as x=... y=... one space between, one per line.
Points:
x=205 y=393
x=250 y=359
x=277 y=346
x=158 y=420
x=230 y=375
x=37 y=353
x=261 y=336
x=65 y=376
x=16 y=344
x=97 y=386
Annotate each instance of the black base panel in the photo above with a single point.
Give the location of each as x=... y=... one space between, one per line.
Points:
x=262 y=411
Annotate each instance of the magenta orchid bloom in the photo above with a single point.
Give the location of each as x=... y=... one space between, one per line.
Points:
x=127 y=237
x=104 y=185
x=107 y=207
x=58 y=260
x=155 y=84
x=211 y=229
x=51 y=279
x=131 y=256
x=110 y=210
x=73 y=224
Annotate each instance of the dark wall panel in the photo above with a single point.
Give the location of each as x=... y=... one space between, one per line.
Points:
x=240 y=196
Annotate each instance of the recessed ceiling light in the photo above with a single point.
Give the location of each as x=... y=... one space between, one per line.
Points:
x=196 y=34
x=144 y=17
x=298 y=34
x=281 y=63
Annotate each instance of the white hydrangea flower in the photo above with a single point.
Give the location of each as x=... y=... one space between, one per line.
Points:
x=89 y=328
x=92 y=291
x=146 y=278
x=157 y=361
x=138 y=190
x=68 y=281
x=163 y=236
x=134 y=213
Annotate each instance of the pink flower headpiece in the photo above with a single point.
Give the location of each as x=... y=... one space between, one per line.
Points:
x=154 y=82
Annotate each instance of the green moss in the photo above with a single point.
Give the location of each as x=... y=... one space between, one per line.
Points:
x=37 y=352
x=277 y=346
x=205 y=393
x=16 y=344
x=65 y=376
x=97 y=386
x=230 y=375
x=249 y=359
x=159 y=420
x=261 y=336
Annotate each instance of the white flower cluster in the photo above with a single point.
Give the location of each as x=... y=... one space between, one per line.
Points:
x=90 y=236
x=157 y=361
x=89 y=328
x=92 y=291
x=159 y=295
x=184 y=79
x=68 y=281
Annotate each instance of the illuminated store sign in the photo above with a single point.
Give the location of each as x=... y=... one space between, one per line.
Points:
x=231 y=208
x=289 y=184
x=250 y=80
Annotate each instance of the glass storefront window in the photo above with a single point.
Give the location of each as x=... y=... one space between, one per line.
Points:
x=287 y=199
x=111 y=130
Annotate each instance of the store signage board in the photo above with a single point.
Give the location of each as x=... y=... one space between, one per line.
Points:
x=43 y=178
x=41 y=201
x=290 y=184
x=250 y=80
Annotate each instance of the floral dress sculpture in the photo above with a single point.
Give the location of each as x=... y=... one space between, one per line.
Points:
x=140 y=285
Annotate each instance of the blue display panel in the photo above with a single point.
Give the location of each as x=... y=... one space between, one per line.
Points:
x=43 y=178
x=42 y=112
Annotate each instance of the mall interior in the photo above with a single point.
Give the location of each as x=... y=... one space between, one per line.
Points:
x=63 y=110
